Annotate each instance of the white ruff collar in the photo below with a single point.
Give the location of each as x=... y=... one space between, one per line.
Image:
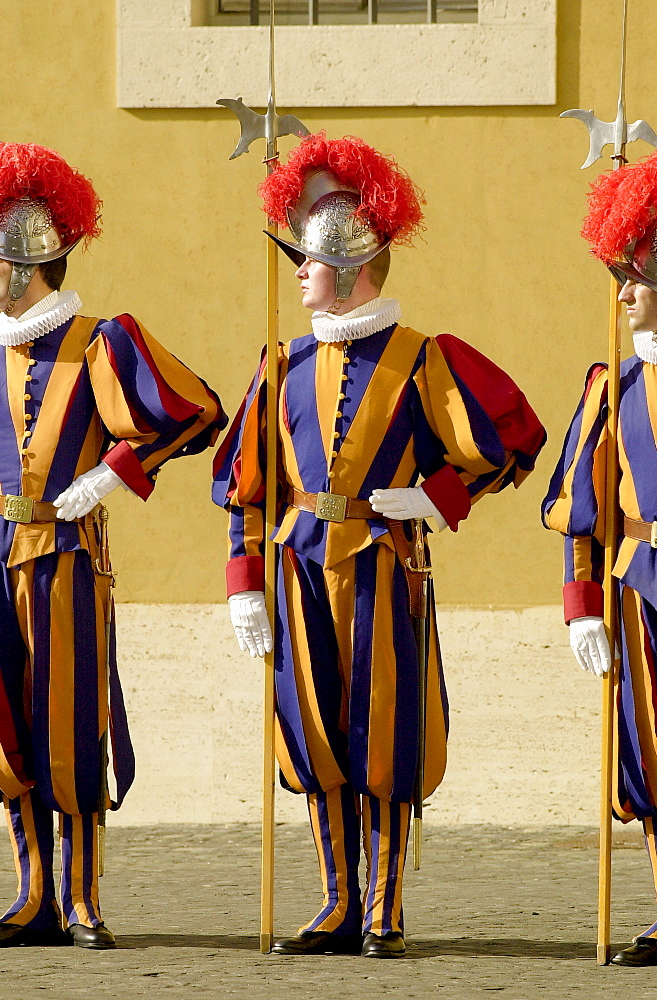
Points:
x=373 y=316
x=42 y=318
x=645 y=346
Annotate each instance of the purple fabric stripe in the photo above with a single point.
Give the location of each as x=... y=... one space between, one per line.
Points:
x=13 y=664
x=323 y=649
x=325 y=847
x=394 y=851
x=46 y=914
x=84 y=851
x=44 y=570
x=85 y=669
x=138 y=382
x=223 y=477
x=287 y=701
x=639 y=441
x=301 y=403
x=405 y=739
x=566 y=460
x=364 y=355
x=349 y=834
x=631 y=780
x=88 y=868
x=375 y=843
x=71 y=438
x=361 y=669
x=122 y=750
x=483 y=430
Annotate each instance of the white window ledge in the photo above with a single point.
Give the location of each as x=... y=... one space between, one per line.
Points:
x=167 y=60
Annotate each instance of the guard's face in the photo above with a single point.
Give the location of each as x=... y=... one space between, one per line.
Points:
x=641 y=305
x=317 y=285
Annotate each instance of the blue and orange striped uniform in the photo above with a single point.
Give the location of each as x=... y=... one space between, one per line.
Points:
x=90 y=390
x=378 y=412
x=575 y=506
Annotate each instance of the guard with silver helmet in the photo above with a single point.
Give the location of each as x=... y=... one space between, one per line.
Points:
x=368 y=407
x=621 y=228
x=86 y=405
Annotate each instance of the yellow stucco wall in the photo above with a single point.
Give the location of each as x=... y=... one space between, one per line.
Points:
x=501 y=263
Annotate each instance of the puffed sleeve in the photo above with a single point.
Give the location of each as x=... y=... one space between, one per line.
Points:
x=490 y=434
x=575 y=502
x=239 y=486
x=152 y=406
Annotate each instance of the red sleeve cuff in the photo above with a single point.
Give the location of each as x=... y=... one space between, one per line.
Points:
x=582 y=598
x=447 y=492
x=122 y=459
x=245 y=573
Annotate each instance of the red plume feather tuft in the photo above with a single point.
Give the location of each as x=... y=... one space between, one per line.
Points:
x=621 y=207
x=30 y=170
x=390 y=199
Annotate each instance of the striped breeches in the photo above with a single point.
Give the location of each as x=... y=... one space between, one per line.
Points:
x=347 y=678
x=336 y=819
x=30 y=825
x=53 y=687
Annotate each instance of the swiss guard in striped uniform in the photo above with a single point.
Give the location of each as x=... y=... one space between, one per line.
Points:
x=86 y=405
x=622 y=230
x=368 y=407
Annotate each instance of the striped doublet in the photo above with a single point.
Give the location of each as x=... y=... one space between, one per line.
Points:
x=88 y=391
x=575 y=506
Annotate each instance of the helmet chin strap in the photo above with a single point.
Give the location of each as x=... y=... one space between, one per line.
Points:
x=345 y=279
x=21 y=276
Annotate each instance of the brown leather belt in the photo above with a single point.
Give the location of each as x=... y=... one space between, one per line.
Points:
x=644 y=531
x=24 y=510
x=331 y=506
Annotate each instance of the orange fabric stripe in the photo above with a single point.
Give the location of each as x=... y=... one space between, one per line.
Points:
x=62 y=687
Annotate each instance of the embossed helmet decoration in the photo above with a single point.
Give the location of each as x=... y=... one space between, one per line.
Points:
x=46 y=208
x=343 y=203
x=621 y=224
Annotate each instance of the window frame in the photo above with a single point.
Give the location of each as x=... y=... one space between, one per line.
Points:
x=167 y=57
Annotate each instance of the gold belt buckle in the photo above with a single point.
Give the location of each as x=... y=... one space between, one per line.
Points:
x=331 y=507
x=653 y=534
x=18 y=509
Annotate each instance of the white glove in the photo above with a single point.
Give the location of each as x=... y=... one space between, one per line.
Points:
x=402 y=504
x=86 y=491
x=588 y=641
x=248 y=616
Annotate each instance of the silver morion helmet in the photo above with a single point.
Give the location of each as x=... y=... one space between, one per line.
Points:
x=638 y=260
x=325 y=227
x=28 y=238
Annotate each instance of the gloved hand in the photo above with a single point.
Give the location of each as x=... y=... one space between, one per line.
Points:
x=248 y=616
x=86 y=491
x=402 y=504
x=588 y=641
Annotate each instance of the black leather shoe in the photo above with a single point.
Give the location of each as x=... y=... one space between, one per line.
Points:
x=13 y=935
x=642 y=951
x=91 y=937
x=318 y=943
x=390 y=945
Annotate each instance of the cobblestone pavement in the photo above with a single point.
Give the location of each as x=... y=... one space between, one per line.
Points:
x=492 y=911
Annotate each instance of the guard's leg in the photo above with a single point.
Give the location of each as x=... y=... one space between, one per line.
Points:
x=385 y=835
x=335 y=826
x=79 y=888
x=30 y=830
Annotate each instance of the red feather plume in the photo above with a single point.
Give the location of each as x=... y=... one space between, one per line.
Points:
x=30 y=170
x=390 y=199
x=622 y=205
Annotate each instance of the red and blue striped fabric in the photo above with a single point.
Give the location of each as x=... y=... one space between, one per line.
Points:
x=379 y=412
x=414 y=407
x=575 y=506
x=98 y=389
